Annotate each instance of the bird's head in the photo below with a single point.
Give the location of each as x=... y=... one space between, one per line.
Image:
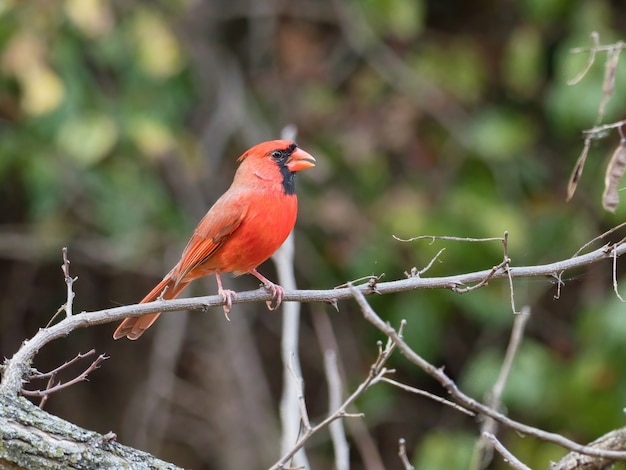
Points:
x=266 y=158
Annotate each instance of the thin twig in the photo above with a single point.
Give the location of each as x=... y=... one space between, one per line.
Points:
x=615 y=287
x=61 y=385
x=415 y=273
x=65 y=365
x=402 y=454
x=432 y=238
x=69 y=281
x=595 y=37
x=599 y=130
x=507 y=260
x=428 y=395
x=599 y=237
x=377 y=370
x=484 y=281
x=505 y=453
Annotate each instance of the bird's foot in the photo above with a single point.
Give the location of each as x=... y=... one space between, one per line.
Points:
x=277 y=295
x=228 y=296
x=277 y=291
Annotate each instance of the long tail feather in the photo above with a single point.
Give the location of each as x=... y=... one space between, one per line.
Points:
x=134 y=327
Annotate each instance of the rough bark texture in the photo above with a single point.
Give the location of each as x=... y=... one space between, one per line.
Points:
x=614 y=440
x=30 y=438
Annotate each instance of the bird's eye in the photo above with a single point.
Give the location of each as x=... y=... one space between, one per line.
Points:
x=277 y=154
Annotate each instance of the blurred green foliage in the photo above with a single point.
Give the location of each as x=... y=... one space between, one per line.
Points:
x=120 y=124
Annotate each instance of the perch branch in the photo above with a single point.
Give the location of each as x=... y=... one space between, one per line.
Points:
x=16 y=368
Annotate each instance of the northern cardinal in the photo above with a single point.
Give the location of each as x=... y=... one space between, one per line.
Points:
x=244 y=227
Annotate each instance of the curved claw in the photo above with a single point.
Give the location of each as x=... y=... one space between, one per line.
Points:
x=228 y=296
x=277 y=296
x=278 y=293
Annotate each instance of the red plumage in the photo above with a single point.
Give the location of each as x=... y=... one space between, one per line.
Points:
x=244 y=227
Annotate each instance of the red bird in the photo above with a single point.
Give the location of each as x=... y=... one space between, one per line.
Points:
x=245 y=226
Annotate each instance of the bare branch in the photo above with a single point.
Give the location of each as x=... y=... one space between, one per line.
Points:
x=432 y=238
x=429 y=395
x=504 y=452
x=377 y=371
x=465 y=400
x=599 y=237
x=50 y=388
x=15 y=369
x=613 y=440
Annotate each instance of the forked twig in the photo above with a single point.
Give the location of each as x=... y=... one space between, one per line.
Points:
x=51 y=376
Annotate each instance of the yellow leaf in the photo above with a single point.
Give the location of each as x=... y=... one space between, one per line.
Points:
x=42 y=90
x=92 y=17
x=158 y=48
x=151 y=136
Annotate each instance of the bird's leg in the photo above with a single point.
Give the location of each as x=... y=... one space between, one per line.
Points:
x=277 y=291
x=227 y=295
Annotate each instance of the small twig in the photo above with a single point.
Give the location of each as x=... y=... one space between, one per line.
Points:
x=50 y=389
x=402 y=454
x=444 y=237
x=559 y=283
x=65 y=365
x=595 y=37
x=615 y=288
x=69 y=281
x=372 y=280
x=507 y=260
x=505 y=453
x=484 y=281
x=377 y=370
x=415 y=273
x=599 y=237
x=600 y=130
x=429 y=395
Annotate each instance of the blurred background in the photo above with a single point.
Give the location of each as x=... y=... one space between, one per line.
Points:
x=120 y=124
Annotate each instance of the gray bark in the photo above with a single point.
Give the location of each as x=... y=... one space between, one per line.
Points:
x=30 y=438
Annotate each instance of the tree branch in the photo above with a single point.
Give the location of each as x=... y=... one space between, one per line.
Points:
x=468 y=402
x=17 y=367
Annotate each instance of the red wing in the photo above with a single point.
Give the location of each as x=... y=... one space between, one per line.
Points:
x=219 y=223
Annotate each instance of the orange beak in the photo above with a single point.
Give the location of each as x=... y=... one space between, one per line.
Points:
x=300 y=160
